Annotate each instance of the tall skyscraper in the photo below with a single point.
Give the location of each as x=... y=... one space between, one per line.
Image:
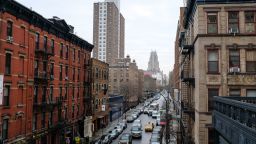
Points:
x=108 y=31
x=153 y=64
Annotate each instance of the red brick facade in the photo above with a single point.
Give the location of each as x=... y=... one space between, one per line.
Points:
x=44 y=105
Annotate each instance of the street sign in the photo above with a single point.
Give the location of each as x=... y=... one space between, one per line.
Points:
x=1 y=88
x=103 y=107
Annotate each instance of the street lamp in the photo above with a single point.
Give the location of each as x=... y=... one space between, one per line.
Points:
x=167 y=127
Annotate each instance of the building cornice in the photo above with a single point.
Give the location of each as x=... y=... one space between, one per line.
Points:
x=21 y=12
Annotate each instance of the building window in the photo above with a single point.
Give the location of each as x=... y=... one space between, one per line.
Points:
x=74 y=73
x=52 y=69
x=34 y=127
x=213 y=61
x=234 y=58
x=8 y=61
x=78 y=75
x=251 y=92
x=44 y=89
x=9 y=28
x=73 y=111
x=60 y=72
x=5 y=127
x=251 y=61
x=60 y=92
x=211 y=93
x=20 y=95
x=45 y=43
x=212 y=23
x=250 y=22
x=78 y=56
x=51 y=93
x=234 y=92
x=61 y=50
x=66 y=72
x=233 y=22
x=24 y=35
x=35 y=94
x=21 y=65
x=6 y=98
x=52 y=46
x=73 y=93
x=43 y=120
x=66 y=92
x=37 y=40
x=78 y=90
x=50 y=118
x=74 y=55
x=66 y=51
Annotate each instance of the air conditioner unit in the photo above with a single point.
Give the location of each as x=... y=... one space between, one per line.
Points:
x=51 y=77
x=66 y=78
x=9 y=39
x=234 y=70
x=233 y=31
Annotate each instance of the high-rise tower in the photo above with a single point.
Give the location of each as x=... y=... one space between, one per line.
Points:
x=108 y=31
x=153 y=64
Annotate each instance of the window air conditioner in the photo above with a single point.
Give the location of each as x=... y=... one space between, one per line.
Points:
x=233 y=31
x=9 y=38
x=234 y=70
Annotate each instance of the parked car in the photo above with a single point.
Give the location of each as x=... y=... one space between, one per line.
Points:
x=155 y=139
x=114 y=134
x=145 y=111
x=119 y=129
x=134 y=115
x=106 y=139
x=130 y=119
x=155 y=114
x=123 y=124
x=136 y=132
x=149 y=127
x=126 y=138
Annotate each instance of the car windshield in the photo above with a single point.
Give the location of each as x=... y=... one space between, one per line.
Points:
x=125 y=137
x=135 y=128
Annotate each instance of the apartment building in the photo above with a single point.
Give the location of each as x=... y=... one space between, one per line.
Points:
x=42 y=77
x=99 y=73
x=217 y=58
x=108 y=31
x=123 y=80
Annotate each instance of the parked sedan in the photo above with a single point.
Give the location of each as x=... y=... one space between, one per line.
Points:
x=149 y=127
x=136 y=132
x=106 y=139
x=126 y=138
x=114 y=134
x=130 y=119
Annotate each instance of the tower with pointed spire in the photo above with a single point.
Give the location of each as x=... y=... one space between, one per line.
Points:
x=153 y=64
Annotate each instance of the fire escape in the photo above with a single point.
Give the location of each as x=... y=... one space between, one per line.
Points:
x=44 y=101
x=87 y=89
x=187 y=86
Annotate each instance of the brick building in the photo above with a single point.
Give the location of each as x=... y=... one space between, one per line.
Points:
x=43 y=66
x=99 y=88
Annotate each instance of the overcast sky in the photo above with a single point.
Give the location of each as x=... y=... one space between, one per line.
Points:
x=150 y=25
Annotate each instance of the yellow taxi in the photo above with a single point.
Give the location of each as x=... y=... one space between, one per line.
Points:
x=149 y=127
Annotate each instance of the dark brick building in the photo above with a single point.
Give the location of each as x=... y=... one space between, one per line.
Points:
x=44 y=67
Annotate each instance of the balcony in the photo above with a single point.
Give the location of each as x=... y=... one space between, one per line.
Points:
x=235 y=119
x=187 y=77
x=43 y=50
x=41 y=77
x=186 y=49
x=47 y=106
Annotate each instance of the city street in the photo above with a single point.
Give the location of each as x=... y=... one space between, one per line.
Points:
x=144 y=120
